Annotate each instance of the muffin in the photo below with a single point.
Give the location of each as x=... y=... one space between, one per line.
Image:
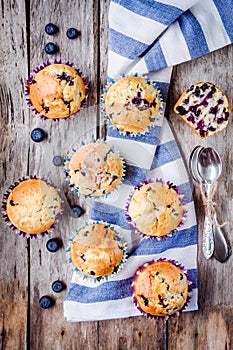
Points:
x=132 y=104
x=57 y=91
x=97 y=250
x=156 y=209
x=32 y=206
x=94 y=169
x=205 y=108
x=160 y=288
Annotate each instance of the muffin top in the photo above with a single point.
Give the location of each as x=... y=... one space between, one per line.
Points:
x=95 y=169
x=160 y=288
x=57 y=91
x=32 y=206
x=97 y=250
x=132 y=104
x=205 y=108
x=156 y=209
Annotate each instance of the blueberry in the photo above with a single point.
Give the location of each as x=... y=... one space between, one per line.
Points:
x=181 y=110
x=38 y=135
x=51 y=29
x=51 y=48
x=46 y=301
x=72 y=33
x=58 y=286
x=58 y=160
x=76 y=211
x=53 y=245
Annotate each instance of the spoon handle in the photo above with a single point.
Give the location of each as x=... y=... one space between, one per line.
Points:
x=221 y=249
x=208 y=238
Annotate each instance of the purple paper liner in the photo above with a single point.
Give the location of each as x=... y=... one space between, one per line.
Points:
x=104 y=277
x=153 y=124
x=67 y=170
x=182 y=200
x=12 y=226
x=177 y=264
x=41 y=67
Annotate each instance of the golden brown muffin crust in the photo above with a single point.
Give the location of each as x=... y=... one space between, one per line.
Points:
x=32 y=206
x=97 y=250
x=57 y=91
x=156 y=209
x=160 y=288
x=132 y=104
x=95 y=169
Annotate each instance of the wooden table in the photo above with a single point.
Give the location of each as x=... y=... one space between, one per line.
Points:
x=27 y=269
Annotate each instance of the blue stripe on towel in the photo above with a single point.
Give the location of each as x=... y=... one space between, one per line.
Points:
x=193 y=275
x=124 y=45
x=112 y=290
x=110 y=214
x=157 y=11
x=190 y=25
x=180 y=239
x=186 y=190
x=149 y=137
x=225 y=10
x=135 y=175
x=155 y=58
x=165 y=153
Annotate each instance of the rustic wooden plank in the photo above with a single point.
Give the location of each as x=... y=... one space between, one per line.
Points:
x=49 y=329
x=206 y=329
x=137 y=333
x=215 y=279
x=13 y=163
x=209 y=328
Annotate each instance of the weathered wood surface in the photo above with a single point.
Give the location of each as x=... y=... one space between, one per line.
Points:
x=27 y=269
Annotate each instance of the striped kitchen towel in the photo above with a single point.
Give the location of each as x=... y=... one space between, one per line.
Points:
x=149 y=37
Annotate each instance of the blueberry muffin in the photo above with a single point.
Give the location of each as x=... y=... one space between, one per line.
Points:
x=156 y=209
x=97 y=251
x=132 y=104
x=57 y=91
x=32 y=206
x=95 y=169
x=160 y=288
x=205 y=108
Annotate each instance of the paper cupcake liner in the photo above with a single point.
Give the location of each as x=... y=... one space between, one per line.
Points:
x=101 y=278
x=41 y=67
x=67 y=170
x=127 y=133
x=182 y=200
x=175 y=314
x=12 y=226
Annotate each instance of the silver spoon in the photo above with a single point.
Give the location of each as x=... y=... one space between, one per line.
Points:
x=193 y=163
x=209 y=167
x=221 y=251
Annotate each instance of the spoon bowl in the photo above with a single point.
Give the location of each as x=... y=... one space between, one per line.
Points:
x=209 y=165
x=193 y=163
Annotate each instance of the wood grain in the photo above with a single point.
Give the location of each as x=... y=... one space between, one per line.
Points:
x=49 y=329
x=13 y=163
x=27 y=269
